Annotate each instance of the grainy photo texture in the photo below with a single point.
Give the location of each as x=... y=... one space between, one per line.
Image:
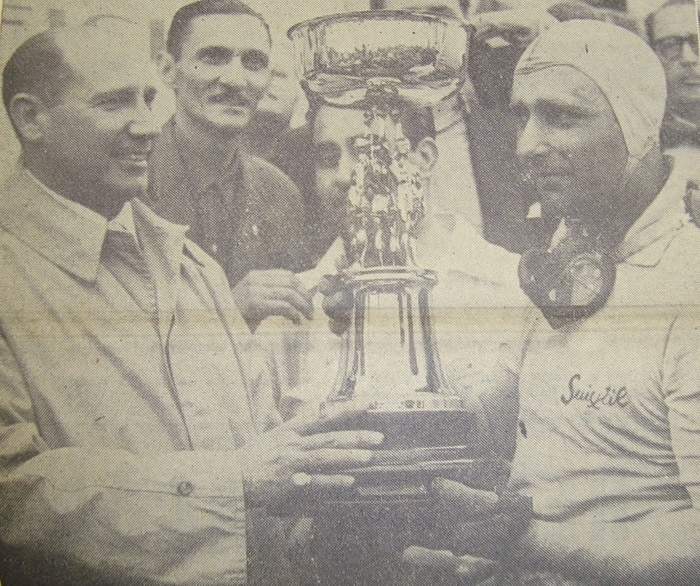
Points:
x=350 y=293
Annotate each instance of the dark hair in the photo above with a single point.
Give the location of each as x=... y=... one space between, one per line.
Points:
x=584 y=10
x=417 y=122
x=649 y=20
x=463 y=4
x=179 y=27
x=38 y=67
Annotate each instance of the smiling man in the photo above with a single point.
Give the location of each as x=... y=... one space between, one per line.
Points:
x=94 y=144
x=243 y=211
x=127 y=403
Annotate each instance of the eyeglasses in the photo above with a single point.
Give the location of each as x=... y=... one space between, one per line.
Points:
x=671 y=48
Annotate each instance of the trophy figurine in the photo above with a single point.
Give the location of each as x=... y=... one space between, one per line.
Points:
x=383 y=60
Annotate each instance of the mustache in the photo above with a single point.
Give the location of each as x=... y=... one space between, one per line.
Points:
x=232 y=97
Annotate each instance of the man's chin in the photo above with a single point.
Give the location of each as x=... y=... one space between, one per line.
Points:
x=555 y=206
x=124 y=189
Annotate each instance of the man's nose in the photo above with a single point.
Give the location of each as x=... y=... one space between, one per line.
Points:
x=532 y=140
x=690 y=53
x=234 y=74
x=346 y=167
x=144 y=124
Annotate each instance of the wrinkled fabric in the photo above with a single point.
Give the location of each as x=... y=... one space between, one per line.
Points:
x=609 y=429
x=248 y=218
x=621 y=64
x=124 y=395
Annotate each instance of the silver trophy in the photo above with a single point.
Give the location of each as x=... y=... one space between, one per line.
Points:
x=382 y=60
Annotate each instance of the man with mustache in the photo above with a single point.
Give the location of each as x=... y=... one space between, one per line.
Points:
x=609 y=411
x=673 y=34
x=133 y=428
x=241 y=210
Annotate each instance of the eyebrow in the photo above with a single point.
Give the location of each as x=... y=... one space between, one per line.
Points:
x=236 y=50
x=123 y=92
x=115 y=93
x=208 y=48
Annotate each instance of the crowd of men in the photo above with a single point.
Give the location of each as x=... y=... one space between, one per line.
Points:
x=141 y=435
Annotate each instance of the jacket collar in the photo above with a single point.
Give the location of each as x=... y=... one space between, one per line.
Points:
x=65 y=233
x=72 y=236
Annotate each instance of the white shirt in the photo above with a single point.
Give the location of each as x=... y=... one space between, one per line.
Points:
x=452 y=185
x=609 y=406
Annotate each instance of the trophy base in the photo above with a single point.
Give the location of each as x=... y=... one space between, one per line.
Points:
x=423 y=440
x=357 y=540
x=419 y=420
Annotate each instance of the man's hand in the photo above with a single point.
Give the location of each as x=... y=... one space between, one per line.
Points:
x=477 y=522
x=429 y=566
x=261 y=294
x=282 y=462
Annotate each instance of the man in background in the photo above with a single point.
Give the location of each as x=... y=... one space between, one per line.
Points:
x=476 y=176
x=240 y=209
x=673 y=33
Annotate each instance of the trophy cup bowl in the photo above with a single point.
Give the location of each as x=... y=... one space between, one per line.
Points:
x=340 y=56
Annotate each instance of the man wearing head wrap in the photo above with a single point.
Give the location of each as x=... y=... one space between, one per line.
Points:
x=608 y=445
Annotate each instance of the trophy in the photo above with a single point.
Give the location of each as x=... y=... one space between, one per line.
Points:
x=381 y=61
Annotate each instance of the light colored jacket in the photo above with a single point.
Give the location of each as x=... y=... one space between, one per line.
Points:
x=119 y=424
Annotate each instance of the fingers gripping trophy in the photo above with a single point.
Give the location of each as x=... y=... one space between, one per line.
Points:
x=382 y=61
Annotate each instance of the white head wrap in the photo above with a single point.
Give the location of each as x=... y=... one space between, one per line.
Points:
x=622 y=65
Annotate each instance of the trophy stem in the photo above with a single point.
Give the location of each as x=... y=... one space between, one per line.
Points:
x=389 y=349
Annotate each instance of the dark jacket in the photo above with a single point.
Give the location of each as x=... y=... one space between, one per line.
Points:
x=250 y=218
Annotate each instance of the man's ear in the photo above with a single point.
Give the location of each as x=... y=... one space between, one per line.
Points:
x=27 y=114
x=425 y=155
x=166 y=68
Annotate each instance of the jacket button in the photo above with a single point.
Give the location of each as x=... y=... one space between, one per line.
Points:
x=185 y=488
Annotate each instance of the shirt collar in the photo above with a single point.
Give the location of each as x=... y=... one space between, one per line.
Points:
x=124 y=222
x=229 y=169
x=647 y=240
